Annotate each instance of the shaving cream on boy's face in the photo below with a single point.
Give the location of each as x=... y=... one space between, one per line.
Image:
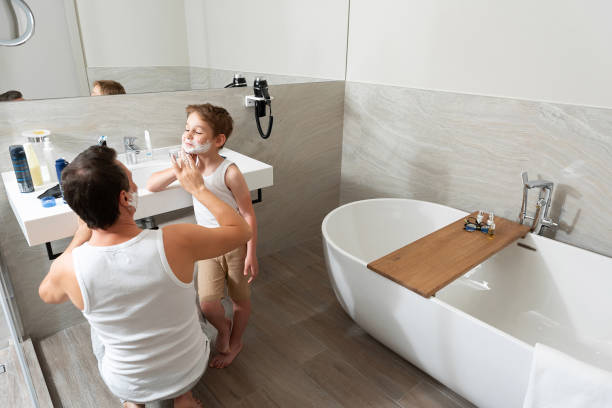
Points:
x=196 y=148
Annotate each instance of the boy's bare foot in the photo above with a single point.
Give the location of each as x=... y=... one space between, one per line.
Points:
x=223 y=338
x=223 y=360
x=129 y=404
x=187 y=401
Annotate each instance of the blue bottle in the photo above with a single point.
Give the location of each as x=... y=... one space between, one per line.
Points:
x=22 y=170
x=59 y=166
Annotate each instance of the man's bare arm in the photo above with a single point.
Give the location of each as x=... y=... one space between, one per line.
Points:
x=53 y=287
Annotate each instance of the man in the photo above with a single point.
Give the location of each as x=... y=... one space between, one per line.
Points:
x=10 y=96
x=135 y=287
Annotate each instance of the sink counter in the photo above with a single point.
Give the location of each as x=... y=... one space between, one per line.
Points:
x=40 y=224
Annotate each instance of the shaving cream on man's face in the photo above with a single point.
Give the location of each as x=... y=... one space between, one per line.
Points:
x=197 y=148
x=133 y=201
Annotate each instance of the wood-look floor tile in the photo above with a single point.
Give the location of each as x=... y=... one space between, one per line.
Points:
x=205 y=396
x=259 y=399
x=391 y=374
x=276 y=301
x=296 y=268
x=299 y=256
x=344 y=383
x=426 y=395
x=309 y=288
x=68 y=362
x=270 y=271
x=285 y=381
x=232 y=384
x=315 y=248
x=13 y=389
x=292 y=342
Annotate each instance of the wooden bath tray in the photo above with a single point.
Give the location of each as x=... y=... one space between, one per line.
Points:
x=432 y=262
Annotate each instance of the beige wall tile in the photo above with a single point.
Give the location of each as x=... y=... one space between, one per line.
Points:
x=468 y=152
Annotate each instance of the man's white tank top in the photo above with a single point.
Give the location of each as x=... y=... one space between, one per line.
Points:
x=144 y=315
x=215 y=183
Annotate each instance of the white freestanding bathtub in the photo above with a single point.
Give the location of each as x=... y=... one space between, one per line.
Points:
x=476 y=335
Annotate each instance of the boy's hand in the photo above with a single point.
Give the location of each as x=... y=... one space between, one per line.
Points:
x=251 y=267
x=187 y=173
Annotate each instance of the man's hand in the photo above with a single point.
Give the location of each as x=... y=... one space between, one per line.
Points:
x=187 y=173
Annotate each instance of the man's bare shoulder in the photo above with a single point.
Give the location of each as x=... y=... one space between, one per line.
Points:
x=64 y=265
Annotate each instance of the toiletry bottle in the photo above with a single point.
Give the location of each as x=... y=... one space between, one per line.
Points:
x=49 y=155
x=59 y=166
x=37 y=138
x=149 y=153
x=491 y=229
x=35 y=172
x=22 y=171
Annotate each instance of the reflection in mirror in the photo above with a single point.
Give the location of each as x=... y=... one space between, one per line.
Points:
x=9 y=96
x=157 y=45
x=107 y=87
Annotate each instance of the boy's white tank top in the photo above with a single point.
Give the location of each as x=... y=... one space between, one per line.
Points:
x=144 y=315
x=215 y=183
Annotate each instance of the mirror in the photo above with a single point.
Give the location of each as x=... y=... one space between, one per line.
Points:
x=162 y=45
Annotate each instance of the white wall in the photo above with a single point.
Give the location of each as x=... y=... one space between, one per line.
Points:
x=133 y=33
x=197 y=37
x=286 y=37
x=43 y=67
x=546 y=50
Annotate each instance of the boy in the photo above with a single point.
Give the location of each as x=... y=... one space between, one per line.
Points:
x=207 y=129
x=107 y=87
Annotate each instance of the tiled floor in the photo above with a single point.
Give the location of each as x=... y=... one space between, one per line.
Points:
x=13 y=389
x=301 y=350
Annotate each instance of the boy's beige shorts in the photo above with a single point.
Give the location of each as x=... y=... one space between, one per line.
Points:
x=215 y=272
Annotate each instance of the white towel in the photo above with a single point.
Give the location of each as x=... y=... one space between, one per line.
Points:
x=560 y=381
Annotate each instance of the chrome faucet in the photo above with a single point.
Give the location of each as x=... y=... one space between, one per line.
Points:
x=131 y=149
x=541 y=218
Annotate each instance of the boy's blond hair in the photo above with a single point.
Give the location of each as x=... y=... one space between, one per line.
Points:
x=109 y=87
x=218 y=118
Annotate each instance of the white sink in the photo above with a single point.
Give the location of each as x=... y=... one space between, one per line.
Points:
x=40 y=225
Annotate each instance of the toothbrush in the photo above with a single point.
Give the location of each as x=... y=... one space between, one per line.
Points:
x=149 y=153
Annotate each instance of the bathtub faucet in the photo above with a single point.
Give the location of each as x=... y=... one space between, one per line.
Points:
x=541 y=218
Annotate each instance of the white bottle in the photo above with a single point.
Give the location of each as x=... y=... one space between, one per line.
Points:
x=479 y=217
x=33 y=164
x=149 y=152
x=49 y=155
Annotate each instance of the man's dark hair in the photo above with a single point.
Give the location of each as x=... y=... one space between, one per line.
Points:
x=10 y=96
x=92 y=183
